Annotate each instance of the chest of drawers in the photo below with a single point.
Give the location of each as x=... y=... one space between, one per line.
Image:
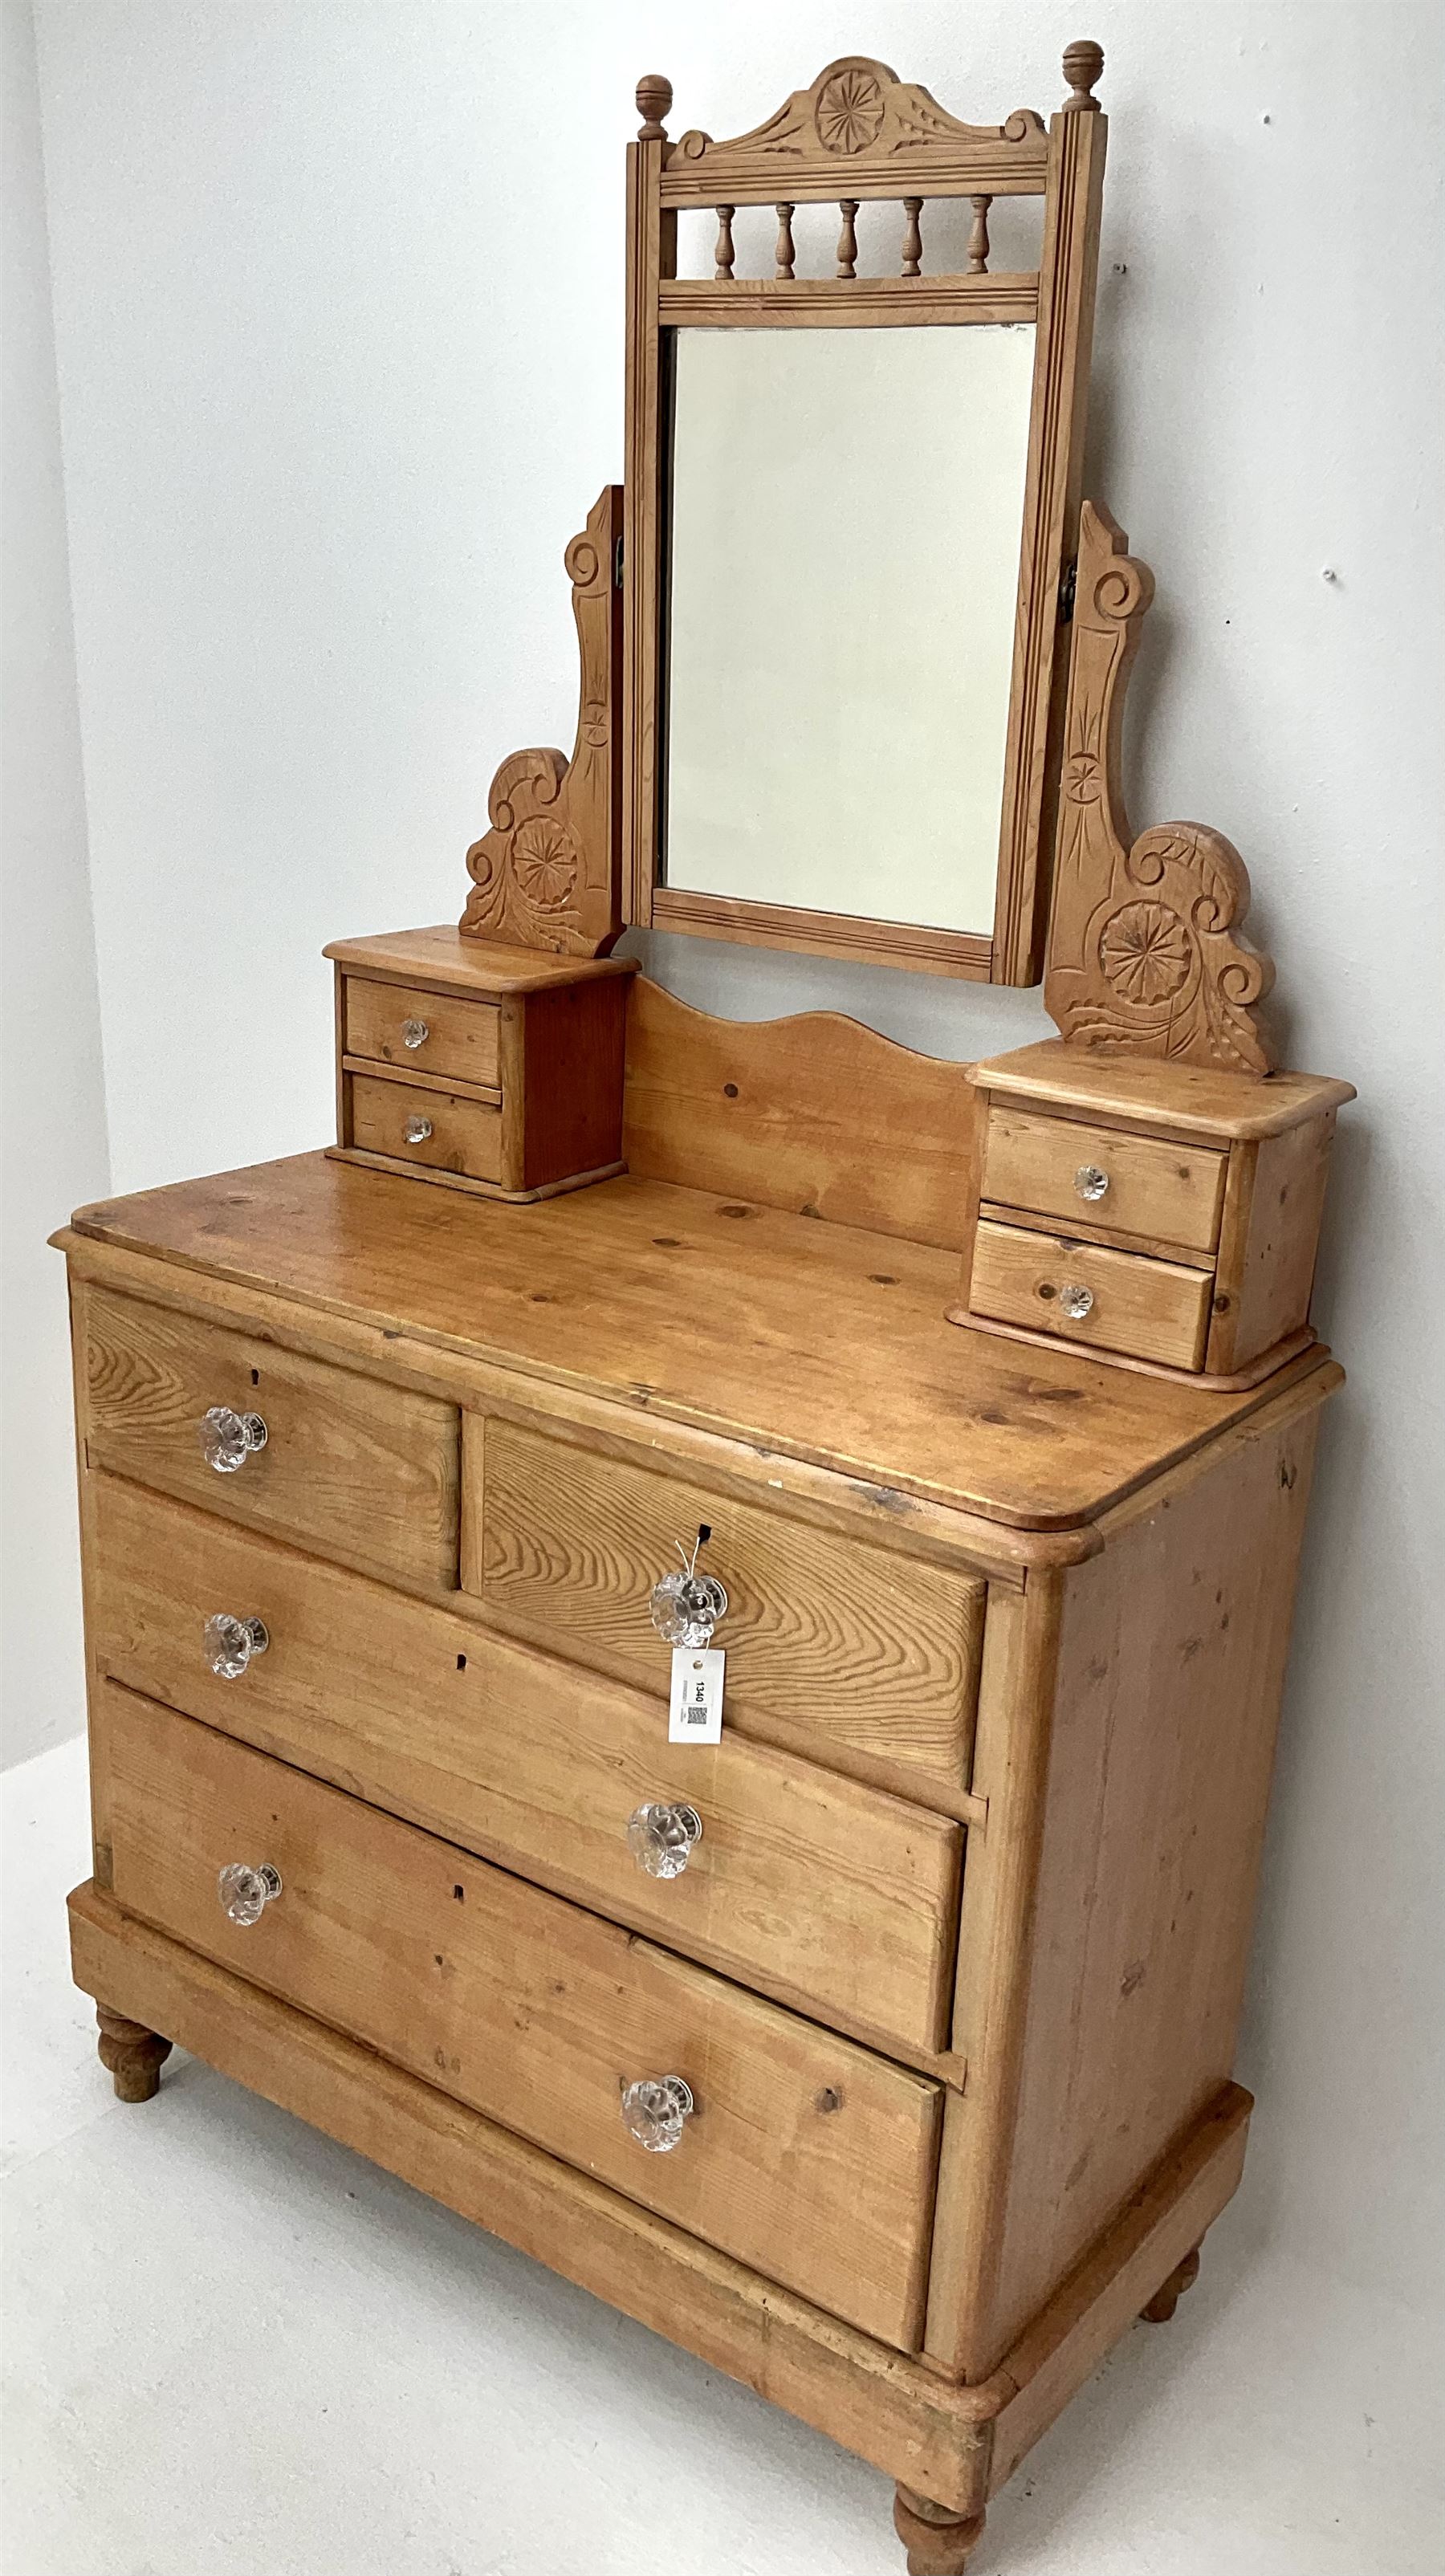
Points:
x=879 y=2052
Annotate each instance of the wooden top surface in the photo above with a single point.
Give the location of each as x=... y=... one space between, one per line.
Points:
x=1153 y=1094
x=814 y=1341
x=441 y=956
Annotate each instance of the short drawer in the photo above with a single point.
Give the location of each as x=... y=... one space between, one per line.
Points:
x=1080 y=1292
x=440 y=1033
x=830 y=1894
x=357 y=1469
x=438 y=1129
x=850 y=1651
x=1062 y=1168
x=804 y=2156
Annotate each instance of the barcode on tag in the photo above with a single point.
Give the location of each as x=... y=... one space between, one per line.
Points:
x=695 y=1709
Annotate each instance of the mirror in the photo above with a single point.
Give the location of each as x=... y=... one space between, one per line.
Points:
x=851 y=509
x=841 y=566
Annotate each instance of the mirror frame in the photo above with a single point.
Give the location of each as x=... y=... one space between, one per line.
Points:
x=860 y=134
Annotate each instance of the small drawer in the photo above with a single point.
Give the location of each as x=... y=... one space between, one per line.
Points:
x=796 y=2152
x=1081 y=1292
x=1127 y=1184
x=851 y=1653
x=841 y=1899
x=435 y=1128
x=346 y=1465
x=439 y=1033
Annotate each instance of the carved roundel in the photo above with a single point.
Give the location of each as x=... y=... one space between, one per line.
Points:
x=1145 y=952
x=849 y=113
x=544 y=861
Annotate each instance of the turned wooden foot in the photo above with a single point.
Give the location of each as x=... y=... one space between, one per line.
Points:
x=938 y=2542
x=132 y=2054
x=1167 y=2297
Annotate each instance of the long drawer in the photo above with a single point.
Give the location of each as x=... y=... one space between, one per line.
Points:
x=830 y=1894
x=362 y=1471
x=852 y=1652
x=803 y=2156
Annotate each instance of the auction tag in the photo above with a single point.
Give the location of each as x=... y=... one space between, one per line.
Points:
x=695 y=1713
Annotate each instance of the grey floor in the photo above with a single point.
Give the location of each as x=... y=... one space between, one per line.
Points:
x=232 y=2346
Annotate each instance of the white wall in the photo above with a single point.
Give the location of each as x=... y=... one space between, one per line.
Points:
x=54 y=1144
x=338 y=297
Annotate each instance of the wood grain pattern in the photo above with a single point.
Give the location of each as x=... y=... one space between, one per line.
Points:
x=961 y=953
x=465 y=1135
x=442 y=961
x=1267 y=1258
x=1146 y=955
x=936 y=2437
x=1156 y=1310
x=572 y=1043
x=461 y=1039
x=546 y=873
x=818 y=1344
x=815 y=1114
x=1171 y=1663
x=1179 y=1100
x=838 y=304
x=1169 y=1193
x=808 y=2158
x=831 y=1644
x=359 y=1471
x=824 y=1894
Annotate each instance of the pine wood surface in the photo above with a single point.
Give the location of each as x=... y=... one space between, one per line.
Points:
x=364 y=1472
x=798 y=931
x=830 y=1641
x=815 y=1342
x=1156 y=1310
x=441 y=960
x=462 y=1036
x=1270 y=1242
x=952 y=2443
x=815 y=1114
x=808 y=2157
x=1166 y=1193
x=823 y=1892
x=1193 y=1100
x=466 y=1135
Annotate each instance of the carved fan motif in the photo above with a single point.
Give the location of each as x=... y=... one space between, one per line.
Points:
x=849 y=113
x=546 y=874
x=1143 y=959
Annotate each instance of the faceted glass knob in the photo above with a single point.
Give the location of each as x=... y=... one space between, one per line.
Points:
x=227 y=1438
x=417 y=1129
x=686 y=1608
x=1090 y=1182
x=245 y=1892
x=414 y=1033
x=230 y=1643
x=661 y=1838
x=655 y=2109
x=1076 y=1301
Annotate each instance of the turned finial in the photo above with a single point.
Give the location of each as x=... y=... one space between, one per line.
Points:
x=654 y=98
x=1083 y=62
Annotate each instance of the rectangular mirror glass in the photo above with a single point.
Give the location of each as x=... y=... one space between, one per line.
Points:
x=843 y=532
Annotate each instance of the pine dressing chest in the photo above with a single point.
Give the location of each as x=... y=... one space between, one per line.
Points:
x=876 y=2044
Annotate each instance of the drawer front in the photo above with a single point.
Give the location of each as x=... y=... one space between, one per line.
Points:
x=1171 y=1192
x=462 y=1039
x=806 y=2157
x=835 y=1896
x=462 y=1135
x=362 y=1471
x=1152 y=1310
x=841 y=1648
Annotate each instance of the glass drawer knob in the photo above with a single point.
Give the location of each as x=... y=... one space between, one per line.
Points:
x=1090 y=1182
x=228 y=1439
x=1076 y=1301
x=245 y=1892
x=230 y=1643
x=687 y=1607
x=414 y=1033
x=661 y=1838
x=417 y=1129
x=655 y=2110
